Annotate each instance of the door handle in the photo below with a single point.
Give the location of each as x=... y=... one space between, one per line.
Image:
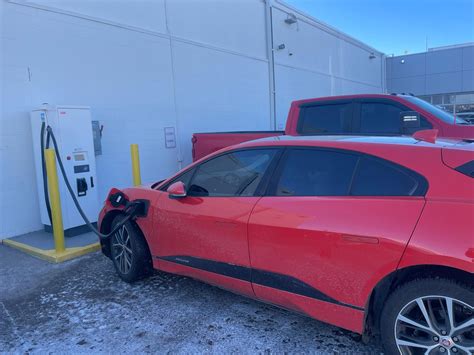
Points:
x=226 y=223
x=360 y=239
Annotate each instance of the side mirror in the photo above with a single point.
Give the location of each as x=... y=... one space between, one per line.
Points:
x=176 y=190
x=410 y=119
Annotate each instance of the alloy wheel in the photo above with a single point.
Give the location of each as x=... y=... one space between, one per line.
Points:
x=122 y=250
x=435 y=325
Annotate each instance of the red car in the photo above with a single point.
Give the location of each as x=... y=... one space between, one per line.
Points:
x=371 y=234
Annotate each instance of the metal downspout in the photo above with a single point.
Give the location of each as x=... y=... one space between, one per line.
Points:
x=271 y=63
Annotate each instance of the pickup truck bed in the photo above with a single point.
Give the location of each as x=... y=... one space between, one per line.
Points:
x=206 y=143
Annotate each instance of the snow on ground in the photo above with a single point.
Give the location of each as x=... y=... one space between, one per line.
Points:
x=83 y=307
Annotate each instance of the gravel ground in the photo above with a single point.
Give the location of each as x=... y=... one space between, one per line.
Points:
x=82 y=306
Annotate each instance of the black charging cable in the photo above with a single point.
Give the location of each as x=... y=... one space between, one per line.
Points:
x=45 y=177
x=130 y=209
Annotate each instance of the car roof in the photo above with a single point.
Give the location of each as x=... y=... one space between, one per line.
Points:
x=343 y=140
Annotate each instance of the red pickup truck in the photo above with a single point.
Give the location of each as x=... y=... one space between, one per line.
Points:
x=370 y=114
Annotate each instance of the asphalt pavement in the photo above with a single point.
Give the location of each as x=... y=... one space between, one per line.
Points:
x=81 y=306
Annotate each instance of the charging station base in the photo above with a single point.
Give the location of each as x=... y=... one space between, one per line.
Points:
x=41 y=245
x=72 y=232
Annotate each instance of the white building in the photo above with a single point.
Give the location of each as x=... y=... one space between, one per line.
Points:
x=145 y=65
x=443 y=76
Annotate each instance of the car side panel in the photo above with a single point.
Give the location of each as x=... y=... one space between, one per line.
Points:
x=339 y=247
x=341 y=316
x=241 y=287
x=197 y=234
x=443 y=236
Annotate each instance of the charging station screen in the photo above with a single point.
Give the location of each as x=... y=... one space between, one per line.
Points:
x=79 y=157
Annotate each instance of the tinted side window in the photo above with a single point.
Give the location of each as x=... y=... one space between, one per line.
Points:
x=376 y=177
x=467 y=168
x=384 y=118
x=326 y=119
x=424 y=124
x=316 y=173
x=380 y=118
x=233 y=174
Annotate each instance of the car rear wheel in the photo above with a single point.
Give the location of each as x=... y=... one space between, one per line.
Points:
x=431 y=316
x=129 y=252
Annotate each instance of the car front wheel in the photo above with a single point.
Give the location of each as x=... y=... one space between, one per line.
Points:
x=129 y=252
x=430 y=316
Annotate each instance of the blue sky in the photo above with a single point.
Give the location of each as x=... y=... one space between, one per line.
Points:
x=396 y=26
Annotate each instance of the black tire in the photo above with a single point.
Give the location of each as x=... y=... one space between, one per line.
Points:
x=132 y=262
x=403 y=302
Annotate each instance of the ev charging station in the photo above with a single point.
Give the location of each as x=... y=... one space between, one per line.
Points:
x=72 y=127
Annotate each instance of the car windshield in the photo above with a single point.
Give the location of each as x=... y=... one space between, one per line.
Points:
x=441 y=114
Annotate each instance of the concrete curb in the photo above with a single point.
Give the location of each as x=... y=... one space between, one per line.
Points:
x=50 y=254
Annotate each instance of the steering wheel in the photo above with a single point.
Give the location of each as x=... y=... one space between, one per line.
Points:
x=232 y=179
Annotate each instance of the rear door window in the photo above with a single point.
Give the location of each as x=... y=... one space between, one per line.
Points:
x=380 y=118
x=325 y=119
x=377 y=177
x=314 y=172
x=337 y=172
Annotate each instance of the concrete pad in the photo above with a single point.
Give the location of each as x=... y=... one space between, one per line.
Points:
x=41 y=245
x=44 y=240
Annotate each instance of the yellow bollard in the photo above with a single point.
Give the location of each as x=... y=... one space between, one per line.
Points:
x=55 y=201
x=137 y=179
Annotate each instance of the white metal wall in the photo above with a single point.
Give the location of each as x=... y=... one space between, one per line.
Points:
x=318 y=61
x=146 y=65
x=222 y=76
x=124 y=75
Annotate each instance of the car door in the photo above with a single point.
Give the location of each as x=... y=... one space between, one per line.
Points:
x=331 y=223
x=204 y=235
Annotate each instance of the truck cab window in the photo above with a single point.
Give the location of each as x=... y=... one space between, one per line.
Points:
x=325 y=119
x=384 y=119
x=380 y=118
